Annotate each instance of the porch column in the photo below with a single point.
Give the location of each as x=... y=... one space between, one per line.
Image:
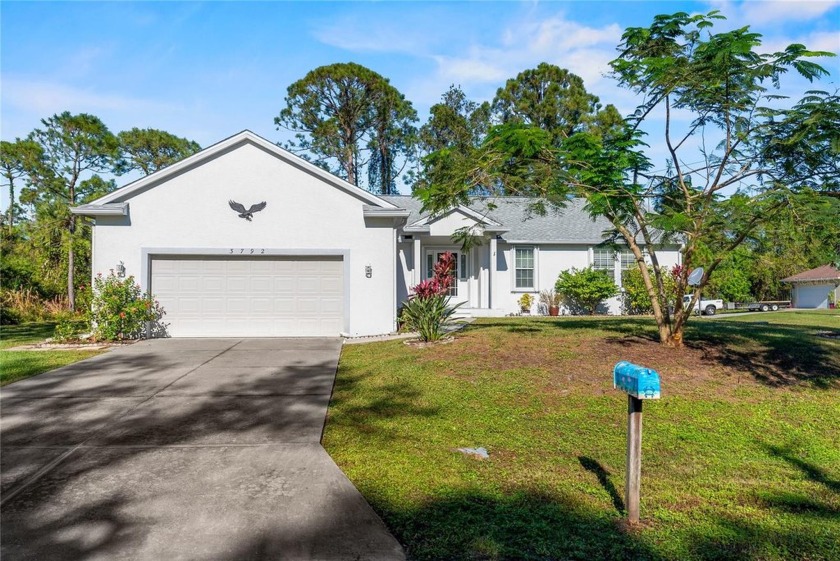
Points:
x=416 y=255
x=483 y=279
x=492 y=283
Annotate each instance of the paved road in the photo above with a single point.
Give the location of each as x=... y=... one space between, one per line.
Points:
x=200 y=449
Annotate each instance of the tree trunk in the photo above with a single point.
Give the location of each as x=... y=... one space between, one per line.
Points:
x=11 y=205
x=673 y=339
x=71 y=289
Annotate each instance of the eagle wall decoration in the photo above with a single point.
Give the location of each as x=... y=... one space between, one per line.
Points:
x=246 y=214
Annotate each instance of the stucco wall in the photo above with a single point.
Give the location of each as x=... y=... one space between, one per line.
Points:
x=190 y=211
x=551 y=260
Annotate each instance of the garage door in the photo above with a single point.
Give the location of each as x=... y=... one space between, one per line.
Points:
x=250 y=297
x=812 y=296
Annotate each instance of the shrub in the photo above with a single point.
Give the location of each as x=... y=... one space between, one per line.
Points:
x=120 y=310
x=583 y=290
x=427 y=316
x=69 y=328
x=636 y=298
x=731 y=284
x=428 y=310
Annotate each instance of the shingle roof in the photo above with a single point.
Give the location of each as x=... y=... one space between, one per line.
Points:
x=571 y=224
x=823 y=273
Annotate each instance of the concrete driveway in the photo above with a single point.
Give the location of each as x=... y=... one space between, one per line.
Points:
x=205 y=449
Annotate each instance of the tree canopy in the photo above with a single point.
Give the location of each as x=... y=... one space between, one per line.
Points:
x=554 y=100
x=149 y=150
x=347 y=116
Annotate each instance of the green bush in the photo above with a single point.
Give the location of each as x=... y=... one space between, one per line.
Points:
x=120 y=310
x=69 y=328
x=636 y=298
x=583 y=290
x=731 y=284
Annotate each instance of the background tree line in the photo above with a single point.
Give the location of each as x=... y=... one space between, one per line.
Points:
x=68 y=161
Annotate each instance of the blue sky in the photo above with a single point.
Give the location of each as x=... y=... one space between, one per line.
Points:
x=208 y=70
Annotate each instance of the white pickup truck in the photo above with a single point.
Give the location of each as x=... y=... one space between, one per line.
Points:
x=707 y=307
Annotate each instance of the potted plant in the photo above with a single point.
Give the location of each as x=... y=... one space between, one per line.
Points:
x=831 y=302
x=550 y=300
x=525 y=302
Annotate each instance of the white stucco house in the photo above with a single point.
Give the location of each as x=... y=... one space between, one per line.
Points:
x=321 y=256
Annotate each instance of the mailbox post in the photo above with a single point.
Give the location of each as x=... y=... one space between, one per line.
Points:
x=640 y=383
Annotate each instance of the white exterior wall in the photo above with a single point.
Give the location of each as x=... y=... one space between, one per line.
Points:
x=551 y=260
x=189 y=213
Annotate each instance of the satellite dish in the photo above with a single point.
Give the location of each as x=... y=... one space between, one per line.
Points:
x=695 y=276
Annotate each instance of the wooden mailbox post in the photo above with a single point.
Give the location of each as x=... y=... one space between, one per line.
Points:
x=640 y=383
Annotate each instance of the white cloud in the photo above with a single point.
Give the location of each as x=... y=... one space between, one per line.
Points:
x=584 y=50
x=44 y=98
x=766 y=11
x=407 y=35
x=773 y=11
x=815 y=41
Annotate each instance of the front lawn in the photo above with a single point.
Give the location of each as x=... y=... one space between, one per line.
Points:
x=16 y=365
x=741 y=456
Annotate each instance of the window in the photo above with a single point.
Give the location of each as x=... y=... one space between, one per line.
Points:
x=603 y=259
x=628 y=260
x=524 y=265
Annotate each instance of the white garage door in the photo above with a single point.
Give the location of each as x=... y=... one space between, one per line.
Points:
x=812 y=296
x=250 y=297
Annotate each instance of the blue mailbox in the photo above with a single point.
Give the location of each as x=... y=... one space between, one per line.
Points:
x=638 y=381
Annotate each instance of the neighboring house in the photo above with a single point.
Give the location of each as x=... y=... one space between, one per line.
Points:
x=811 y=288
x=323 y=257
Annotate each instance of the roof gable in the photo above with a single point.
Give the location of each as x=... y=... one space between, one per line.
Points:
x=823 y=273
x=229 y=144
x=466 y=212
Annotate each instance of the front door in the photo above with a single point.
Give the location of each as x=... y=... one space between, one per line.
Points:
x=459 y=291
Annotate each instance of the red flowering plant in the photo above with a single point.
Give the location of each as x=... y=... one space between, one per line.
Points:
x=428 y=310
x=120 y=310
x=441 y=280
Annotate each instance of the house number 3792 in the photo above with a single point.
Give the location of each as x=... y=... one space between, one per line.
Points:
x=247 y=251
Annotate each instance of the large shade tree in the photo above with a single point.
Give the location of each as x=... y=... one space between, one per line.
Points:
x=346 y=117
x=730 y=170
x=742 y=156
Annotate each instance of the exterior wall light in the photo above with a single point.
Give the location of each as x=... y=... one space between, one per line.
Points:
x=368 y=271
x=121 y=270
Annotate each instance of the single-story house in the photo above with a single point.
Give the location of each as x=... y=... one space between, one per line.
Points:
x=246 y=239
x=811 y=289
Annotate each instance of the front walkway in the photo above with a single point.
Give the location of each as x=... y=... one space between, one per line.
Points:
x=182 y=449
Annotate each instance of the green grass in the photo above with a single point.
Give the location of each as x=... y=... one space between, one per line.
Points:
x=17 y=365
x=741 y=456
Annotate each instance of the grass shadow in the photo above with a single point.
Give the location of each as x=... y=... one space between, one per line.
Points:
x=811 y=471
x=594 y=466
x=520 y=524
x=774 y=355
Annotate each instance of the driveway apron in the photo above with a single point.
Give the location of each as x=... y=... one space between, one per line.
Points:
x=199 y=449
